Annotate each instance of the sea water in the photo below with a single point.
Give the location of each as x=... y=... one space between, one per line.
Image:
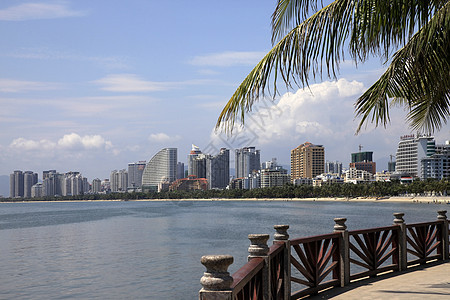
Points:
x=152 y=250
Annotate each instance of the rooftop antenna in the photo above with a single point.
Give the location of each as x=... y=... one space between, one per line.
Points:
x=360 y=147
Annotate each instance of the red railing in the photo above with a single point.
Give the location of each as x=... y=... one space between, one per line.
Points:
x=278 y=283
x=372 y=249
x=424 y=242
x=314 y=259
x=247 y=281
x=313 y=264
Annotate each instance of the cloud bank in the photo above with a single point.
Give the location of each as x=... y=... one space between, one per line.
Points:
x=324 y=112
x=69 y=142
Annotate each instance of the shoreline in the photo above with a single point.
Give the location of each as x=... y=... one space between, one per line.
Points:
x=411 y=199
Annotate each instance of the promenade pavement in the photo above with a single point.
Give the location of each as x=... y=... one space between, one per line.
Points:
x=422 y=282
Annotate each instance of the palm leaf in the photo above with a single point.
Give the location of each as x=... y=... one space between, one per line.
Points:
x=418 y=78
x=366 y=27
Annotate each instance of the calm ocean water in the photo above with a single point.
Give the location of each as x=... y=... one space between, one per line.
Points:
x=152 y=250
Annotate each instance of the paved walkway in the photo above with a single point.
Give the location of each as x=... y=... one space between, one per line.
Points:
x=432 y=282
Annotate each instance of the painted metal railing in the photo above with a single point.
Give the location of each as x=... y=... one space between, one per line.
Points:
x=291 y=269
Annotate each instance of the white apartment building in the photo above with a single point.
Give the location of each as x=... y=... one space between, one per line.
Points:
x=162 y=168
x=411 y=150
x=352 y=175
x=437 y=165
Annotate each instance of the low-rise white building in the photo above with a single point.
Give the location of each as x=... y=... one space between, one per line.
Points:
x=352 y=175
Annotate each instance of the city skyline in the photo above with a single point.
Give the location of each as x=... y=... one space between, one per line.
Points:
x=418 y=156
x=91 y=86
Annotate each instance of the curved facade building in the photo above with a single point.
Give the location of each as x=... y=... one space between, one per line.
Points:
x=161 y=168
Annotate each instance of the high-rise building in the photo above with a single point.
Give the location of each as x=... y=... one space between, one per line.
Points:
x=106 y=185
x=333 y=167
x=437 y=165
x=307 y=161
x=362 y=156
x=218 y=169
x=37 y=190
x=16 y=184
x=391 y=166
x=195 y=152
x=96 y=186
x=363 y=161
x=247 y=160
x=52 y=183
x=119 y=180
x=162 y=167
x=271 y=164
x=73 y=183
x=198 y=165
x=47 y=174
x=135 y=171
x=180 y=170
x=29 y=179
x=411 y=150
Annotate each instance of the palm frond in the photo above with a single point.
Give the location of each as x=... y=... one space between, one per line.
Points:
x=367 y=27
x=301 y=52
x=379 y=26
x=289 y=14
x=418 y=78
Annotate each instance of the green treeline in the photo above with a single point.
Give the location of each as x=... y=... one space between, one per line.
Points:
x=349 y=190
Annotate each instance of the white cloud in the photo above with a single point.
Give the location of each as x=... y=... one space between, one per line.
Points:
x=228 y=59
x=324 y=111
x=36 y=11
x=129 y=83
x=69 y=142
x=30 y=145
x=163 y=138
x=75 y=141
x=16 y=86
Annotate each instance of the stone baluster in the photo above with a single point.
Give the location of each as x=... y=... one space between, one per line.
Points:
x=282 y=236
x=442 y=216
x=216 y=281
x=281 y=233
x=344 y=250
x=402 y=244
x=258 y=248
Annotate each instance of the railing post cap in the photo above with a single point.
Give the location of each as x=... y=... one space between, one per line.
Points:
x=255 y=236
x=216 y=277
x=442 y=215
x=340 y=224
x=282 y=234
x=258 y=246
x=399 y=218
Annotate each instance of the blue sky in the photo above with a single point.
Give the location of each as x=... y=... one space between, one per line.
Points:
x=90 y=86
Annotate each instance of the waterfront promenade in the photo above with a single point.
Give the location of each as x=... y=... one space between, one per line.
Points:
x=402 y=261
x=430 y=282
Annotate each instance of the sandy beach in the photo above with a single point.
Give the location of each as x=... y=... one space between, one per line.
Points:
x=412 y=199
x=418 y=199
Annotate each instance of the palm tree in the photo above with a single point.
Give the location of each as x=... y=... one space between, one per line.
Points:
x=417 y=78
